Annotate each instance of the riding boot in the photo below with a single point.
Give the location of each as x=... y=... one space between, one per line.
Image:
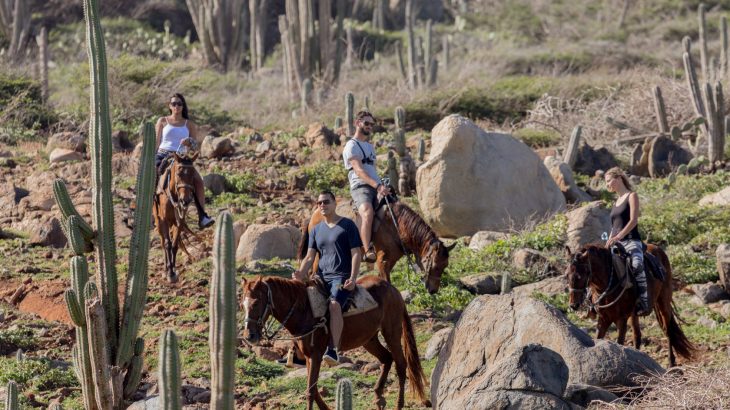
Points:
x=643 y=308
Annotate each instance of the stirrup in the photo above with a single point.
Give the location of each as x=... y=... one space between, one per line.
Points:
x=369 y=256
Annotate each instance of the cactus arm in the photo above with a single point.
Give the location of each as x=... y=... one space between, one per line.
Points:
x=67 y=208
x=134 y=375
x=74 y=310
x=79 y=282
x=350 y=113
x=137 y=278
x=99 y=353
x=169 y=377
x=343 y=397
x=222 y=338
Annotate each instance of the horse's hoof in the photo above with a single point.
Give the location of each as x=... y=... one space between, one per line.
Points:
x=172 y=278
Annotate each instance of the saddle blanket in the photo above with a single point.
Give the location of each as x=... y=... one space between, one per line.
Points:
x=361 y=301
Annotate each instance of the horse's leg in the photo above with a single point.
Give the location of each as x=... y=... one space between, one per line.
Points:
x=621 y=327
x=386 y=360
x=314 y=363
x=636 y=329
x=602 y=326
x=173 y=253
x=392 y=336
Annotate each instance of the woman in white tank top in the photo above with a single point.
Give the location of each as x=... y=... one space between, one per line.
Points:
x=171 y=131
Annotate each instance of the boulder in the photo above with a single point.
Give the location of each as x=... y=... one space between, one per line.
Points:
x=215 y=182
x=586 y=224
x=482 y=283
x=723 y=265
x=437 y=341
x=549 y=287
x=665 y=155
x=709 y=292
x=318 y=135
x=216 y=147
x=721 y=198
x=47 y=232
x=63 y=155
x=263 y=147
x=121 y=142
x=534 y=261
x=483 y=238
x=66 y=140
x=475 y=180
x=592 y=159
x=563 y=177
x=494 y=327
x=149 y=403
x=583 y=394
x=239 y=227
x=530 y=377
x=262 y=241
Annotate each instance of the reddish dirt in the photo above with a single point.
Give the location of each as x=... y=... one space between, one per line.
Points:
x=46 y=301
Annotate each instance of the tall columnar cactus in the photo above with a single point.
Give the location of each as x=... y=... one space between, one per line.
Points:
x=15 y=17
x=421 y=150
x=169 y=381
x=223 y=332
x=11 y=396
x=222 y=26
x=400 y=131
x=506 y=283
x=42 y=41
x=703 y=42
x=392 y=169
x=660 y=111
x=350 y=113
x=410 y=17
x=446 y=52
x=107 y=354
x=571 y=152
x=306 y=94
x=343 y=397
x=429 y=60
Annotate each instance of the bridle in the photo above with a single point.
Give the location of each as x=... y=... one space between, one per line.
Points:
x=268 y=309
x=596 y=306
x=180 y=209
x=584 y=289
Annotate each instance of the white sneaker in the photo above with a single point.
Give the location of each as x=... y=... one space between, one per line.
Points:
x=205 y=222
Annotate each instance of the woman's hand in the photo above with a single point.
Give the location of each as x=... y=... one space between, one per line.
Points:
x=612 y=240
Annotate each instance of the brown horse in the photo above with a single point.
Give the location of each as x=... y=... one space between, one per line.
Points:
x=287 y=301
x=411 y=233
x=171 y=207
x=592 y=267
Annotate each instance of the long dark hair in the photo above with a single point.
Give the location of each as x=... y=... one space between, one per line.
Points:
x=184 y=103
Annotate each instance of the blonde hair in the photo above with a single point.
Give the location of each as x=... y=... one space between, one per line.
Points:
x=617 y=172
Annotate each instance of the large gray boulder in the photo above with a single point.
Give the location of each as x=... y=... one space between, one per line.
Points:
x=493 y=327
x=586 y=224
x=66 y=140
x=265 y=241
x=216 y=147
x=720 y=198
x=475 y=180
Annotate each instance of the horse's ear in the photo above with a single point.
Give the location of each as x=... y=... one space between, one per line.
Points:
x=195 y=156
x=177 y=157
x=450 y=247
x=259 y=279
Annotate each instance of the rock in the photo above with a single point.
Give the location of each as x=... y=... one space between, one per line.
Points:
x=583 y=394
x=534 y=261
x=239 y=227
x=266 y=353
x=530 y=377
x=709 y=292
x=63 y=155
x=121 y=142
x=297 y=180
x=586 y=224
x=563 y=177
x=549 y=287
x=725 y=311
x=465 y=163
x=318 y=135
x=591 y=160
x=481 y=340
x=268 y=241
x=665 y=155
x=483 y=238
x=723 y=265
x=66 y=140
x=721 y=198
x=482 y=284
x=48 y=232
x=407 y=295
x=215 y=182
x=150 y=403
x=436 y=342
x=707 y=322
x=216 y=147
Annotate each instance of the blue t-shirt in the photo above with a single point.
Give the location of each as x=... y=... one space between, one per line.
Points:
x=334 y=246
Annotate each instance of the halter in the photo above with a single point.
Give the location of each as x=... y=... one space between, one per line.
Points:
x=595 y=306
x=176 y=204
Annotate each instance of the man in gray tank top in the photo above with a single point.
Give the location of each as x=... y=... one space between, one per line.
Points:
x=359 y=158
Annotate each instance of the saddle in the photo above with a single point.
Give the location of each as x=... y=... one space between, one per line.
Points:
x=360 y=300
x=622 y=265
x=381 y=211
x=163 y=174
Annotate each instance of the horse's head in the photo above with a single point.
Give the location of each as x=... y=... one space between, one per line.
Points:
x=579 y=274
x=257 y=305
x=182 y=179
x=435 y=260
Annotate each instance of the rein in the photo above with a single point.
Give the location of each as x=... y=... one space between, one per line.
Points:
x=176 y=204
x=596 y=306
x=411 y=266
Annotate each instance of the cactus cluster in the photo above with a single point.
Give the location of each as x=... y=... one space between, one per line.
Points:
x=15 y=18
x=107 y=355
x=422 y=68
x=222 y=28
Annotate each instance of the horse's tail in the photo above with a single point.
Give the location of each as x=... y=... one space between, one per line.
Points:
x=304 y=241
x=677 y=339
x=415 y=371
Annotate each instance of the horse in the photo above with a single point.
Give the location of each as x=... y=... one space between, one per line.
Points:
x=592 y=267
x=170 y=209
x=409 y=233
x=287 y=301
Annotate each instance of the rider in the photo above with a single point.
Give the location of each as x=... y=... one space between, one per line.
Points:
x=337 y=242
x=359 y=157
x=174 y=131
x=624 y=229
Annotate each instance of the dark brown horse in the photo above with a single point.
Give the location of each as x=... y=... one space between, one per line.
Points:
x=592 y=267
x=411 y=233
x=287 y=301
x=170 y=209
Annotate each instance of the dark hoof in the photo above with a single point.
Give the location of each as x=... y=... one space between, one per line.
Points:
x=172 y=278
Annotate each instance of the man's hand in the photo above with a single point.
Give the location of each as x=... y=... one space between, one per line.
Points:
x=383 y=190
x=298 y=275
x=349 y=284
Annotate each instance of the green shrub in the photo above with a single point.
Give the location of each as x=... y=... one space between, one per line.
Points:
x=692 y=267
x=36 y=374
x=13 y=339
x=326 y=175
x=537 y=138
x=243 y=183
x=22 y=108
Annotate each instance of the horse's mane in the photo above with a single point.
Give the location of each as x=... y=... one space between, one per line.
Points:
x=288 y=286
x=593 y=247
x=411 y=224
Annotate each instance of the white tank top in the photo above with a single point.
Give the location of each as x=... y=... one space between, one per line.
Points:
x=172 y=136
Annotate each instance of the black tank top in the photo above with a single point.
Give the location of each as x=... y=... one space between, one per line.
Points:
x=620 y=216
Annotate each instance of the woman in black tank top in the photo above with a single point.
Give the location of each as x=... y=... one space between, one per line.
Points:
x=625 y=229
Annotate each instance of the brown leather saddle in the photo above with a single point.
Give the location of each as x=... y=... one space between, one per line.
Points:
x=360 y=300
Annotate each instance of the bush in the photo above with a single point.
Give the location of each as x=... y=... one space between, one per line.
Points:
x=537 y=138
x=21 y=107
x=326 y=175
x=13 y=339
x=241 y=183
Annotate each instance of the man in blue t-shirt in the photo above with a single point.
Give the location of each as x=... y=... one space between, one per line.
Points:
x=337 y=241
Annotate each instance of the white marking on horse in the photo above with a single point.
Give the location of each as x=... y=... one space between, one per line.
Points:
x=246 y=305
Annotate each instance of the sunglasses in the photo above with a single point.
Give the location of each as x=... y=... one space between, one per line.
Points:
x=176 y=104
x=324 y=202
x=368 y=124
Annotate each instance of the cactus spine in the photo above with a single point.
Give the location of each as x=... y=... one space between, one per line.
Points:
x=223 y=332
x=350 y=113
x=11 y=396
x=343 y=397
x=105 y=355
x=169 y=377
x=400 y=132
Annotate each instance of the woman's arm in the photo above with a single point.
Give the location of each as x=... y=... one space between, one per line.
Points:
x=158 y=132
x=193 y=128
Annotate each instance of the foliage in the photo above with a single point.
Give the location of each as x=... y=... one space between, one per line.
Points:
x=21 y=108
x=14 y=339
x=258 y=370
x=326 y=175
x=692 y=267
x=243 y=183
x=537 y=138
x=36 y=374
x=559 y=301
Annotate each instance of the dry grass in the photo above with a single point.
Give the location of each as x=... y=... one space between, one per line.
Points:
x=681 y=388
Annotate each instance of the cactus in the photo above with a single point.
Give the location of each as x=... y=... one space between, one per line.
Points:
x=339 y=28
x=343 y=397
x=223 y=332
x=410 y=17
x=11 y=396
x=104 y=355
x=15 y=19
x=429 y=61
x=703 y=42
x=401 y=64
x=446 y=52
x=338 y=123
x=682 y=169
x=19 y=356
x=392 y=170
x=506 y=283
x=42 y=41
x=55 y=406
x=257 y=37
x=571 y=152
x=222 y=28
x=660 y=111
x=367 y=103
x=169 y=377
x=306 y=94
x=400 y=132
x=724 y=47
x=350 y=113
x=421 y=150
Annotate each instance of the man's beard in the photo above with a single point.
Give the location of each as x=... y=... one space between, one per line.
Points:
x=364 y=132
